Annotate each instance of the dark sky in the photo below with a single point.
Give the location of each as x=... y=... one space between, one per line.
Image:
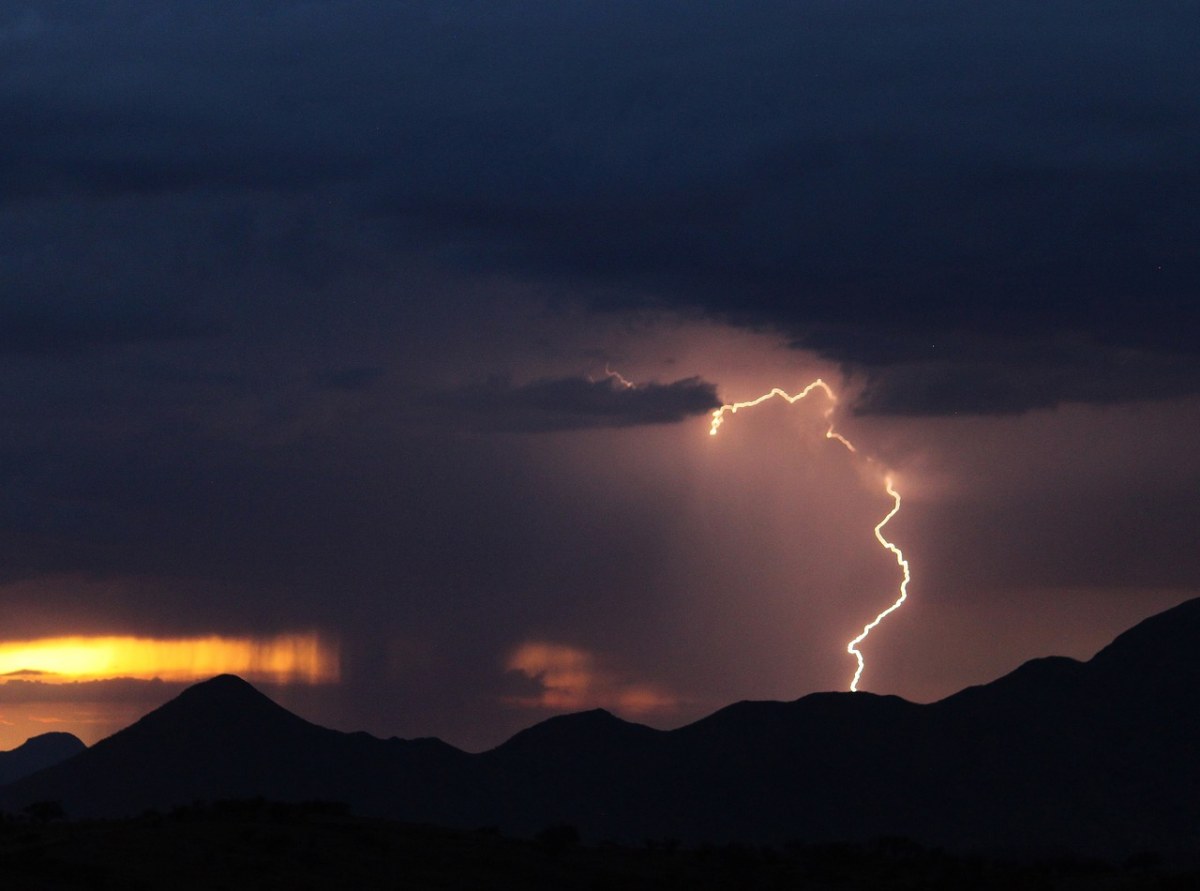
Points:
x=306 y=312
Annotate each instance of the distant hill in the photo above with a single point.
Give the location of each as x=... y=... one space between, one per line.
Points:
x=1059 y=756
x=38 y=752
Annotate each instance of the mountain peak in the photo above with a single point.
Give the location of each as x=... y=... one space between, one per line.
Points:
x=223 y=707
x=36 y=753
x=55 y=739
x=225 y=691
x=220 y=737
x=222 y=688
x=595 y=727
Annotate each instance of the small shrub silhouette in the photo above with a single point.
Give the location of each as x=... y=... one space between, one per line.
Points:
x=45 y=811
x=559 y=837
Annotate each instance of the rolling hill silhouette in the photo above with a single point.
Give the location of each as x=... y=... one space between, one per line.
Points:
x=1093 y=757
x=36 y=753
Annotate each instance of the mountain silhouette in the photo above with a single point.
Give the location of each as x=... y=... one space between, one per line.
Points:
x=1059 y=756
x=224 y=739
x=36 y=753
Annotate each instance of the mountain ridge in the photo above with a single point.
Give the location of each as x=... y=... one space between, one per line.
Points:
x=1088 y=757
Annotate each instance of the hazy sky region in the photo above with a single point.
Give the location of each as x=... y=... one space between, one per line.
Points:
x=306 y=313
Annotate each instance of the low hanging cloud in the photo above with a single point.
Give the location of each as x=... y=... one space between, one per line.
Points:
x=26 y=687
x=577 y=403
x=570 y=679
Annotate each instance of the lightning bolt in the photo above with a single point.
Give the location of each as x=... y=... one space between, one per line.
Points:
x=619 y=378
x=852 y=647
x=718 y=418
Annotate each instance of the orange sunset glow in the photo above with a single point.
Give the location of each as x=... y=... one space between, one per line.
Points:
x=289 y=658
x=571 y=680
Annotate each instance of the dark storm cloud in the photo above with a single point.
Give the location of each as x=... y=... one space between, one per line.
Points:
x=866 y=176
x=352 y=379
x=51 y=329
x=137 y=99
x=932 y=373
x=576 y=403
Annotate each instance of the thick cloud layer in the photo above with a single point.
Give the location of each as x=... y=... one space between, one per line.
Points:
x=574 y=403
x=973 y=202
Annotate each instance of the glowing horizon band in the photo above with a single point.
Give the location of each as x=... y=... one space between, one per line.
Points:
x=718 y=418
x=303 y=658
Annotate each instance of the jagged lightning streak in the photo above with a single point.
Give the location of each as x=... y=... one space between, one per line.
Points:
x=619 y=378
x=718 y=418
x=611 y=375
x=852 y=647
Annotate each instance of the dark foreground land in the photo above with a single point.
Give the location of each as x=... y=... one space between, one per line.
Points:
x=254 y=844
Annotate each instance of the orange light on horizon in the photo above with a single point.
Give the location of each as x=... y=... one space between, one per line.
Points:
x=286 y=658
x=571 y=680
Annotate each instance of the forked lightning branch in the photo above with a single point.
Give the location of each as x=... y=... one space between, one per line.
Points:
x=718 y=418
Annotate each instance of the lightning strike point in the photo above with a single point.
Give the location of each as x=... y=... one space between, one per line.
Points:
x=718 y=418
x=852 y=647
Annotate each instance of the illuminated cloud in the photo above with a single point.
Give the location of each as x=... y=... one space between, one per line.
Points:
x=296 y=658
x=572 y=403
x=570 y=680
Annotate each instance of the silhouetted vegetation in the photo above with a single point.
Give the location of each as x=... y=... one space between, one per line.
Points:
x=264 y=844
x=45 y=811
x=559 y=837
